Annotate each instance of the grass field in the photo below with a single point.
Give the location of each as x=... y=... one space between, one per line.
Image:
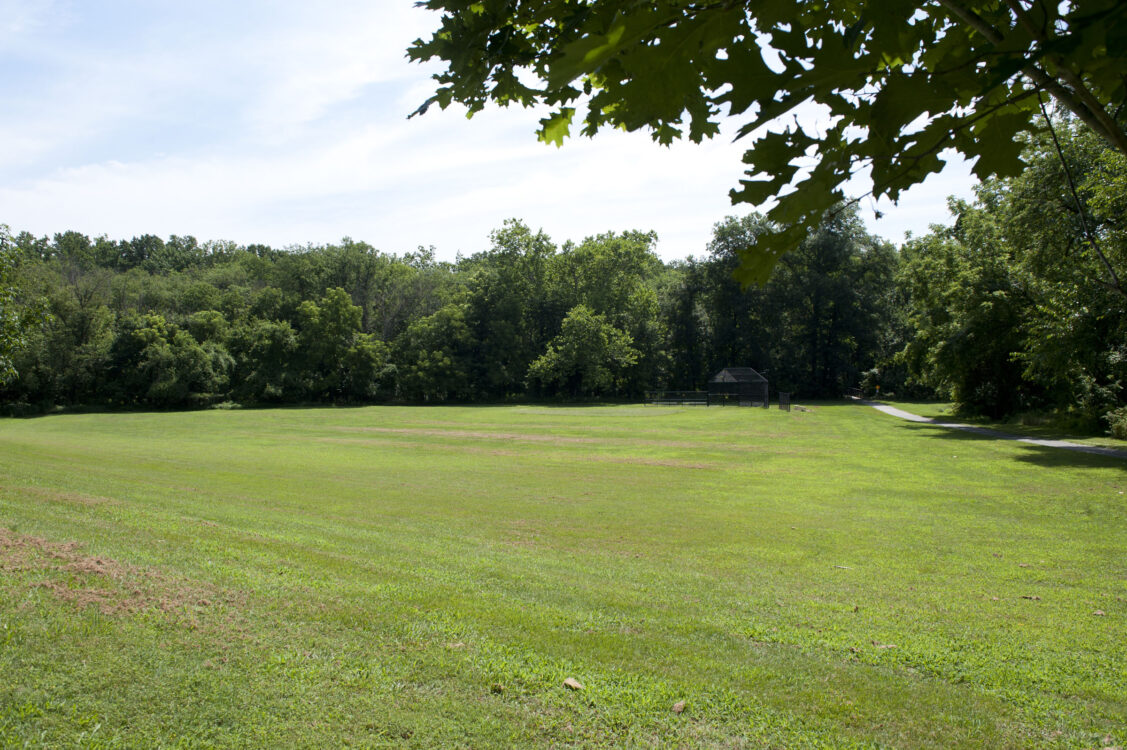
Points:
x=429 y=577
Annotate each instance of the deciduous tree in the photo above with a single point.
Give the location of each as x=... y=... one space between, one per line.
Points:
x=15 y=314
x=588 y=357
x=899 y=82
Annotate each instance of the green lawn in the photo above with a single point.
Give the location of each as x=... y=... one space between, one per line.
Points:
x=429 y=577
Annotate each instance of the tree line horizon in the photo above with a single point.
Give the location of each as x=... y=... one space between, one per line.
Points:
x=1008 y=309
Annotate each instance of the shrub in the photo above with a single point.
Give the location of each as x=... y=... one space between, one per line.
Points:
x=1117 y=423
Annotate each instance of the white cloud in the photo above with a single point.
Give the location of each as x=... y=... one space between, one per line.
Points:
x=21 y=18
x=455 y=179
x=283 y=122
x=328 y=57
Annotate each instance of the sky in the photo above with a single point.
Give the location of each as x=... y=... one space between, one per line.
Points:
x=285 y=123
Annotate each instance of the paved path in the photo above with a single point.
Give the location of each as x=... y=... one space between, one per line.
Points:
x=987 y=432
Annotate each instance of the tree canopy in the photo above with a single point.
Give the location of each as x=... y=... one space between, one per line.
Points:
x=15 y=317
x=900 y=83
x=603 y=317
x=1020 y=307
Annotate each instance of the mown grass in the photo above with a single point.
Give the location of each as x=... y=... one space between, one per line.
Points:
x=428 y=577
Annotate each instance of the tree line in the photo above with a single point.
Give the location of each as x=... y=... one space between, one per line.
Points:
x=1018 y=305
x=176 y=322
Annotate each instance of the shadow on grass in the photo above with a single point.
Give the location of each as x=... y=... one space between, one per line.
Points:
x=1087 y=457
x=1043 y=427
x=11 y=411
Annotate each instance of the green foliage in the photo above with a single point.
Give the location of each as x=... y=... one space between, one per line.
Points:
x=11 y=329
x=208 y=325
x=815 y=326
x=615 y=275
x=588 y=357
x=1021 y=304
x=368 y=373
x=435 y=356
x=511 y=312
x=967 y=309
x=900 y=83
x=339 y=361
x=1117 y=423
x=158 y=364
x=314 y=324
x=266 y=355
x=1071 y=250
x=67 y=355
x=16 y=315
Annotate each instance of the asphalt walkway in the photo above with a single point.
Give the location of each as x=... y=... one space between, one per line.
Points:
x=987 y=432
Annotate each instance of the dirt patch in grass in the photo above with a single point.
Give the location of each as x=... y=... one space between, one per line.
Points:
x=525 y=437
x=636 y=460
x=413 y=445
x=654 y=462
x=61 y=496
x=523 y=533
x=113 y=587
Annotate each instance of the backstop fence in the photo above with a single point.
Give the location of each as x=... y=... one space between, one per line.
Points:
x=706 y=398
x=677 y=398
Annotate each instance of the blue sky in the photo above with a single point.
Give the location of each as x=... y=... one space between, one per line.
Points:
x=285 y=123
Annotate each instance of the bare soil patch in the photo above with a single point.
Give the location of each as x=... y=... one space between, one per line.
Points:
x=113 y=587
x=671 y=462
x=638 y=460
x=526 y=437
x=61 y=496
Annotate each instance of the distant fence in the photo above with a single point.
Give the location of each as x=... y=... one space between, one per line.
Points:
x=704 y=398
x=738 y=399
x=679 y=398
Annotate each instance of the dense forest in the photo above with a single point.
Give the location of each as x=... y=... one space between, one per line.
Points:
x=1019 y=305
x=175 y=322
